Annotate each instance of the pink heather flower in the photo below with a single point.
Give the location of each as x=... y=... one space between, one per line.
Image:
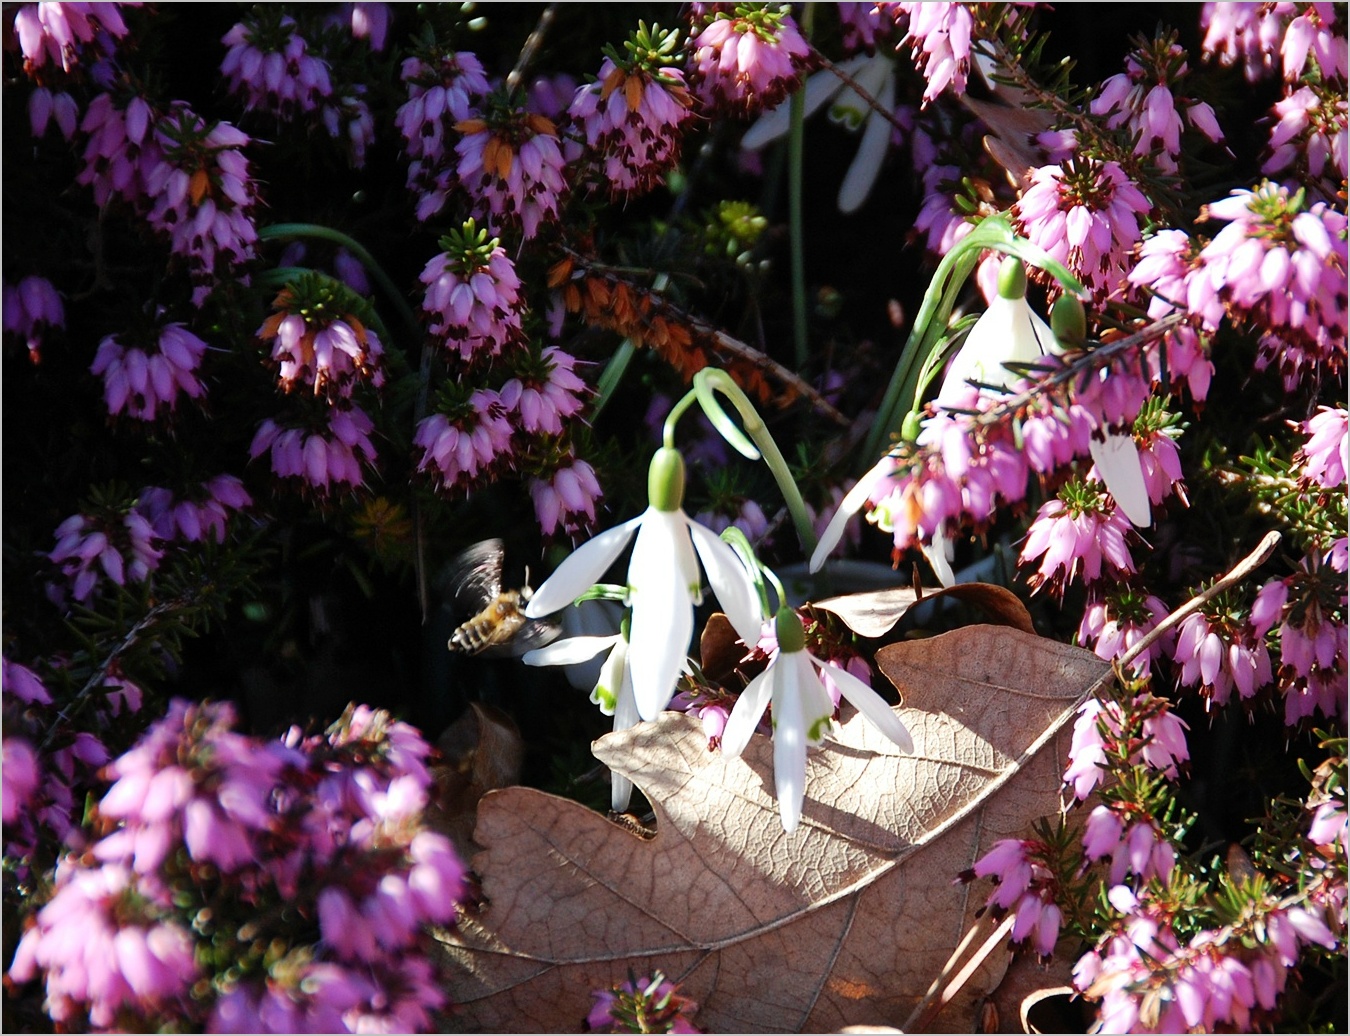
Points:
x=45 y=107
x=442 y=90
x=744 y=63
x=473 y=295
x=545 y=392
x=67 y=34
x=647 y=1004
x=1309 y=139
x=1024 y=885
x=566 y=500
x=196 y=518
x=21 y=682
x=32 y=310
x=1281 y=267
x=88 y=550
x=1216 y=656
x=1326 y=455
x=268 y=63
x=1310 y=609
x=862 y=23
x=939 y=37
x=1257 y=33
x=144 y=383
x=22 y=774
x=1085 y=213
x=1075 y=535
x=1331 y=826
x=1087 y=752
x=102 y=951
x=203 y=196
x=369 y=21
x=711 y=708
x=633 y=119
x=745 y=515
x=1116 y=622
x=1142 y=100
x=347 y=118
x=1137 y=848
x=318 y=343
x=511 y=165
x=122 y=150
x=466 y=444
x=1162 y=274
x=323 y=460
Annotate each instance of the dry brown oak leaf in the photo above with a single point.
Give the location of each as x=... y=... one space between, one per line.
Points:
x=846 y=921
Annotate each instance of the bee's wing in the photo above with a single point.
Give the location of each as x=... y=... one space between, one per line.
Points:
x=476 y=576
x=534 y=634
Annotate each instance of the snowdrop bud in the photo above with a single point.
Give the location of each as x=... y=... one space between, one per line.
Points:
x=665 y=480
x=1068 y=321
x=1012 y=279
x=789 y=631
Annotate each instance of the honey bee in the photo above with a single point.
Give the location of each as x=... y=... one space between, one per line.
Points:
x=498 y=625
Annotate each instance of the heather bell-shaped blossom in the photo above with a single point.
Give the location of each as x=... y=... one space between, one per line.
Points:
x=88 y=550
x=268 y=63
x=468 y=441
x=747 y=60
x=322 y=461
x=1077 y=535
x=939 y=36
x=146 y=383
x=472 y=298
x=67 y=34
x=802 y=712
x=567 y=498
x=633 y=115
x=32 y=309
x=509 y=161
x=663 y=583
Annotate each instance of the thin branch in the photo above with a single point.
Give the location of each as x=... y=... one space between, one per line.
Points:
x=1235 y=575
x=532 y=44
x=940 y=995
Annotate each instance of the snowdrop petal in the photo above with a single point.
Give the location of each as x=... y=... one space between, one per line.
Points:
x=876 y=141
x=582 y=570
x=746 y=714
x=1117 y=461
x=870 y=704
x=730 y=582
x=789 y=758
x=848 y=507
x=570 y=651
x=663 y=614
x=819 y=89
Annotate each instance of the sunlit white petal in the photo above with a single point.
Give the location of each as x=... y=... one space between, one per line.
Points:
x=870 y=704
x=730 y=582
x=1118 y=464
x=582 y=570
x=848 y=507
x=663 y=618
x=746 y=714
x=789 y=758
x=819 y=88
x=568 y=652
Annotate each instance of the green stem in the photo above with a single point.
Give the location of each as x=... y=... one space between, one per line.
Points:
x=672 y=418
x=796 y=151
x=710 y=380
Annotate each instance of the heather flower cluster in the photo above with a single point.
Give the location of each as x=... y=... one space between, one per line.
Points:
x=308 y=302
x=328 y=827
x=632 y=116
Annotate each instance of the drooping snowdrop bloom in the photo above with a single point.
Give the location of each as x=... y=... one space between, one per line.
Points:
x=663 y=583
x=802 y=712
x=876 y=75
